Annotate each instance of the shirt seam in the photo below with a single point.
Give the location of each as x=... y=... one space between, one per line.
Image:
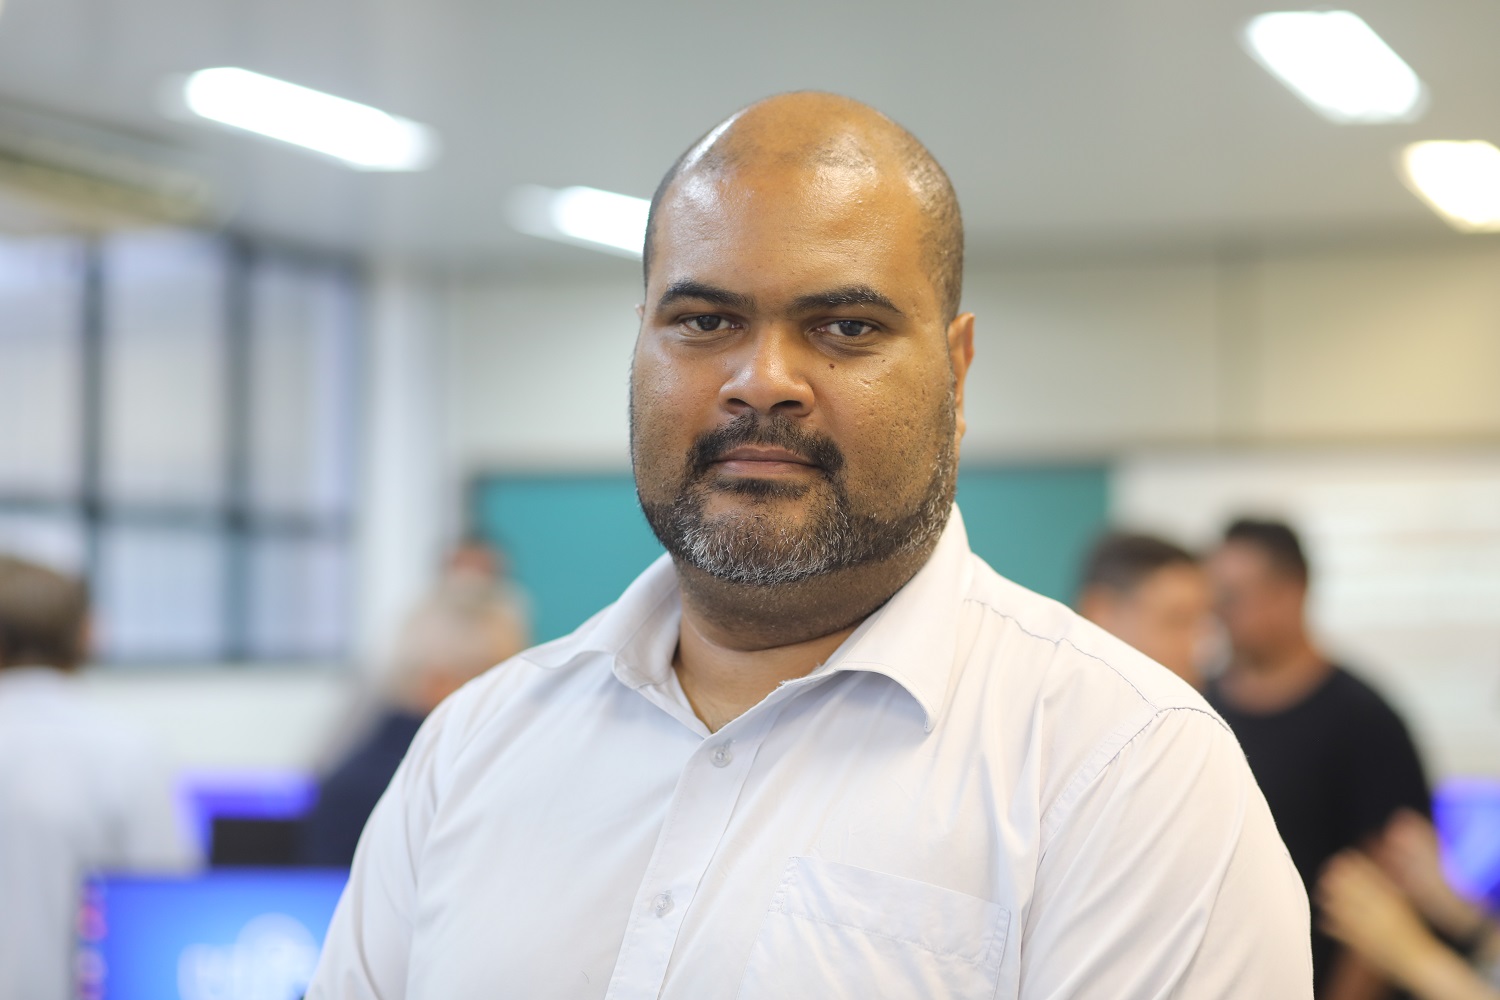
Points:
x=1099 y=760
x=1060 y=640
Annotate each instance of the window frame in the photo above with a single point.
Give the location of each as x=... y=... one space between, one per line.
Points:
x=231 y=519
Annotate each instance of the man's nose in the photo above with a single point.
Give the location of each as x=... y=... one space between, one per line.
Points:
x=769 y=375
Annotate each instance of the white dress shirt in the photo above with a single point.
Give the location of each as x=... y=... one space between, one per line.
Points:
x=78 y=791
x=978 y=795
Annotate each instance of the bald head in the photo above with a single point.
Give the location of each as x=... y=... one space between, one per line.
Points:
x=811 y=132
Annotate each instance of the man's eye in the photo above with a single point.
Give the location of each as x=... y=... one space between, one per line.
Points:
x=849 y=327
x=706 y=324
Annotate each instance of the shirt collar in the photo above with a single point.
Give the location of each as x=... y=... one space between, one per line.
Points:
x=638 y=631
x=912 y=639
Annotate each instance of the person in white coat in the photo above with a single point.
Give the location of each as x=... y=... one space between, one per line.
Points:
x=79 y=790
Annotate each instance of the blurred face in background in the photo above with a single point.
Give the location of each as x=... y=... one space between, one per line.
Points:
x=1168 y=616
x=1260 y=605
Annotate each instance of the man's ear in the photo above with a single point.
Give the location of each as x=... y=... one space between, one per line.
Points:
x=960 y=356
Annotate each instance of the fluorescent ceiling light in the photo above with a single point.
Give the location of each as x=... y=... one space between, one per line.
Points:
x=360 y=136
x=1459 y=180
x=1336 y=63
x=588 y=216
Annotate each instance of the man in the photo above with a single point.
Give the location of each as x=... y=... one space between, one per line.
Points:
x=472 y=620
x=819 y=749
x=1152 y=594
x=77 y=790
x=1335 y=761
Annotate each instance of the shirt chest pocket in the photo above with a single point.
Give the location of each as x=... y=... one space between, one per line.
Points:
x=834 y=930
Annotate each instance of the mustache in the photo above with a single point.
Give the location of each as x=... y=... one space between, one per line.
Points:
x=770 y=432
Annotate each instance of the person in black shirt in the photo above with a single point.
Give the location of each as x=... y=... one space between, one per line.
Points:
x=1334 y=760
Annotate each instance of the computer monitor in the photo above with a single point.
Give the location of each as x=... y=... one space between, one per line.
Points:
x=226 y=934
x=1467 y=814
x=245 y=815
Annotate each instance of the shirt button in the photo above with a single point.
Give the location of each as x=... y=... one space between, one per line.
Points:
x=662 y=904
x=722 y=755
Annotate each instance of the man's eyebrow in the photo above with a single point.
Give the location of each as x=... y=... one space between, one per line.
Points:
x=849 y=295
x=712 y=294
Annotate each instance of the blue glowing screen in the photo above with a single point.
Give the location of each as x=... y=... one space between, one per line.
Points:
x=228 y=934
x=1467 y=813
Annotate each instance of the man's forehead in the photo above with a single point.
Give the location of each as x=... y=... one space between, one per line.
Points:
x=777 y=256
x=777 y=182
x=802 y=208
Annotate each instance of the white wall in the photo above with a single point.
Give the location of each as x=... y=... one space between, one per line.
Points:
x=236 y=717
x=537 y=373
x=1091 y=357
x=1087 y=358
x=1385 y=343
x=403 y=507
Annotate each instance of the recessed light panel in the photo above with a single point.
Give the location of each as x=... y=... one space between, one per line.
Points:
x=602 y=220
x=1459 y=180
x=1338 y=65
x=357 y=135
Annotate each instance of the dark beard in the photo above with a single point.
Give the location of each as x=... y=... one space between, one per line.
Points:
x=755 y=549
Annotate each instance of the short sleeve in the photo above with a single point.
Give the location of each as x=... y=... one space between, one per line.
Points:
x=1165 y=877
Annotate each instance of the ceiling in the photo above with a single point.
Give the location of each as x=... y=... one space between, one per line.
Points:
x=1065 y=125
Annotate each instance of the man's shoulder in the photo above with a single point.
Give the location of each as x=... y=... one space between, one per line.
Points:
x=527 y=690
x=1084 y=700
x=1038 y=637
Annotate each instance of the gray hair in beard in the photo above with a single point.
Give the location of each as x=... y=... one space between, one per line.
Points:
x=760 y=549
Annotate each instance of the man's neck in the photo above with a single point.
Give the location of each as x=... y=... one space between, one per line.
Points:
x=739 y=643
x=1276 y=679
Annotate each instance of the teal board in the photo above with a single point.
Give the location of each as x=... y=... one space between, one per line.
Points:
x=1035 y=523
x=576 y=541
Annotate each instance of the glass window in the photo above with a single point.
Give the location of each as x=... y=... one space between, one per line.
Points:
x=165 y=368
x=41 y=300
x=53 y=538
x=160 y=593
x=299 y=597
x=302 y=384
x=207 y=485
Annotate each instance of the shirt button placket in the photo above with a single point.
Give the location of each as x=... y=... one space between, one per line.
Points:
x=684 y=850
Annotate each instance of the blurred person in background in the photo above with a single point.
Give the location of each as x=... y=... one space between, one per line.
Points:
x=473 y=619
x=1335 y=761
x=79 y=791
x=1395 y=908
x=1152 y=594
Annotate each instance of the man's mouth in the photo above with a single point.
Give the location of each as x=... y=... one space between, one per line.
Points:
x=754 y=460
